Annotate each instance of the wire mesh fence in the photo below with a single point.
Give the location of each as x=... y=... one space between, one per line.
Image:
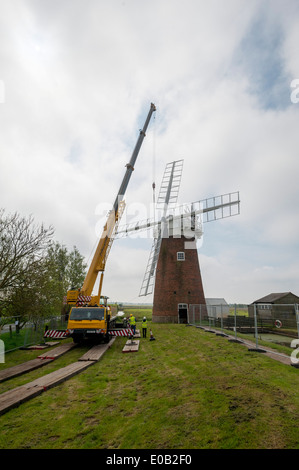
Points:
x=276 y=323
x=19 y=332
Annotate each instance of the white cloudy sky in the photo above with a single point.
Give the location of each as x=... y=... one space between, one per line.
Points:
x=76 y=82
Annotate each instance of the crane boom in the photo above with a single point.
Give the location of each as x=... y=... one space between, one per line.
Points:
x=130 y=165
x=99 y=259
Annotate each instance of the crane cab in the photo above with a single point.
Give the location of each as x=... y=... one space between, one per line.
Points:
x=90 y=322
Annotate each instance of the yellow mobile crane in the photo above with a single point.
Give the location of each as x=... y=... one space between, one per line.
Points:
x=90 y=317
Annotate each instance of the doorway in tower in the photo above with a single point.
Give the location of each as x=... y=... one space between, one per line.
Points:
x=182 y=313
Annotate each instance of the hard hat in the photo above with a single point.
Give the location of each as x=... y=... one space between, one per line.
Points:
x=144 y=318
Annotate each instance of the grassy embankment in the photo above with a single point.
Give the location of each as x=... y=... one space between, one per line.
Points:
x=187 y=389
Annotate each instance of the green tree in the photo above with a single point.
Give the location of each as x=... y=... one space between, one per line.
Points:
x=35 y=271
x=35 y=296
x=76 y=269
x=23 y=246
x=57 y=265
x=41 y=290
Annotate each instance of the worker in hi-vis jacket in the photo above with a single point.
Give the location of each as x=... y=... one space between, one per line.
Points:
x=144 y=327
x=132 y=322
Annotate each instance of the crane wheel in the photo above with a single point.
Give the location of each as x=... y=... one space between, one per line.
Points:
x=77 y=339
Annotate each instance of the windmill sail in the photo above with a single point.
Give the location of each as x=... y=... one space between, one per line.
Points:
x=211 y=209
x=167 y=197
x=169 y=189
x=149 y=276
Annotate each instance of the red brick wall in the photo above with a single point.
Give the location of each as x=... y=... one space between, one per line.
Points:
x=176 y=281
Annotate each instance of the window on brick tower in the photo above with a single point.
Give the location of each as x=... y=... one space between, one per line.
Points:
x=180 y=256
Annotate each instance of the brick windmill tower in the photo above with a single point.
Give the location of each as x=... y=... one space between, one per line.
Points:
x=173 y=270
x=173 y=266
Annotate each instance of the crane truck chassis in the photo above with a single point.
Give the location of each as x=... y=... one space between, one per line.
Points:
x=90 y=322
x=95 y=323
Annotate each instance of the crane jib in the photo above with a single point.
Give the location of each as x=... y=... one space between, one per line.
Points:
x=104 y=245
x=130 y=165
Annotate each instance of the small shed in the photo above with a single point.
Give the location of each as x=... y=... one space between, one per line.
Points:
x=217 y=308
x=275 y=306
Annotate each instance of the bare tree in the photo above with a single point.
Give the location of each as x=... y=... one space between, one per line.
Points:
x=22 y=247
x=35 y=271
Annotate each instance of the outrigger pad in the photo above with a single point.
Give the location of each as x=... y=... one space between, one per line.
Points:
x=131 y=346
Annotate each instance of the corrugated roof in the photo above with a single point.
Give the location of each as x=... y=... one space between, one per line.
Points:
x=271 y=298
x=216 y=302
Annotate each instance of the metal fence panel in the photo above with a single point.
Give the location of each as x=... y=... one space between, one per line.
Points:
x=254 y=320
x=17 y=332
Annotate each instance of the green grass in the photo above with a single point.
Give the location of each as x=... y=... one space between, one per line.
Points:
x=186 y=390
x=243 y=312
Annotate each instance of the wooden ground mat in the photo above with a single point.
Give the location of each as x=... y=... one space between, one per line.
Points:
x=131 y=346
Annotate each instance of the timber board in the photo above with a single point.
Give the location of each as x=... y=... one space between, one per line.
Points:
x=15 y=397
x=20 y=369
x=59 y=376
x=40 y=346
x=33 y=364
x=96 y=352
x=57 y=352
x=131 y=346
x=19 y=395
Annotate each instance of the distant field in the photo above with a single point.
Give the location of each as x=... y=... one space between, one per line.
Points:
x=139 y=313
x=239 y=311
